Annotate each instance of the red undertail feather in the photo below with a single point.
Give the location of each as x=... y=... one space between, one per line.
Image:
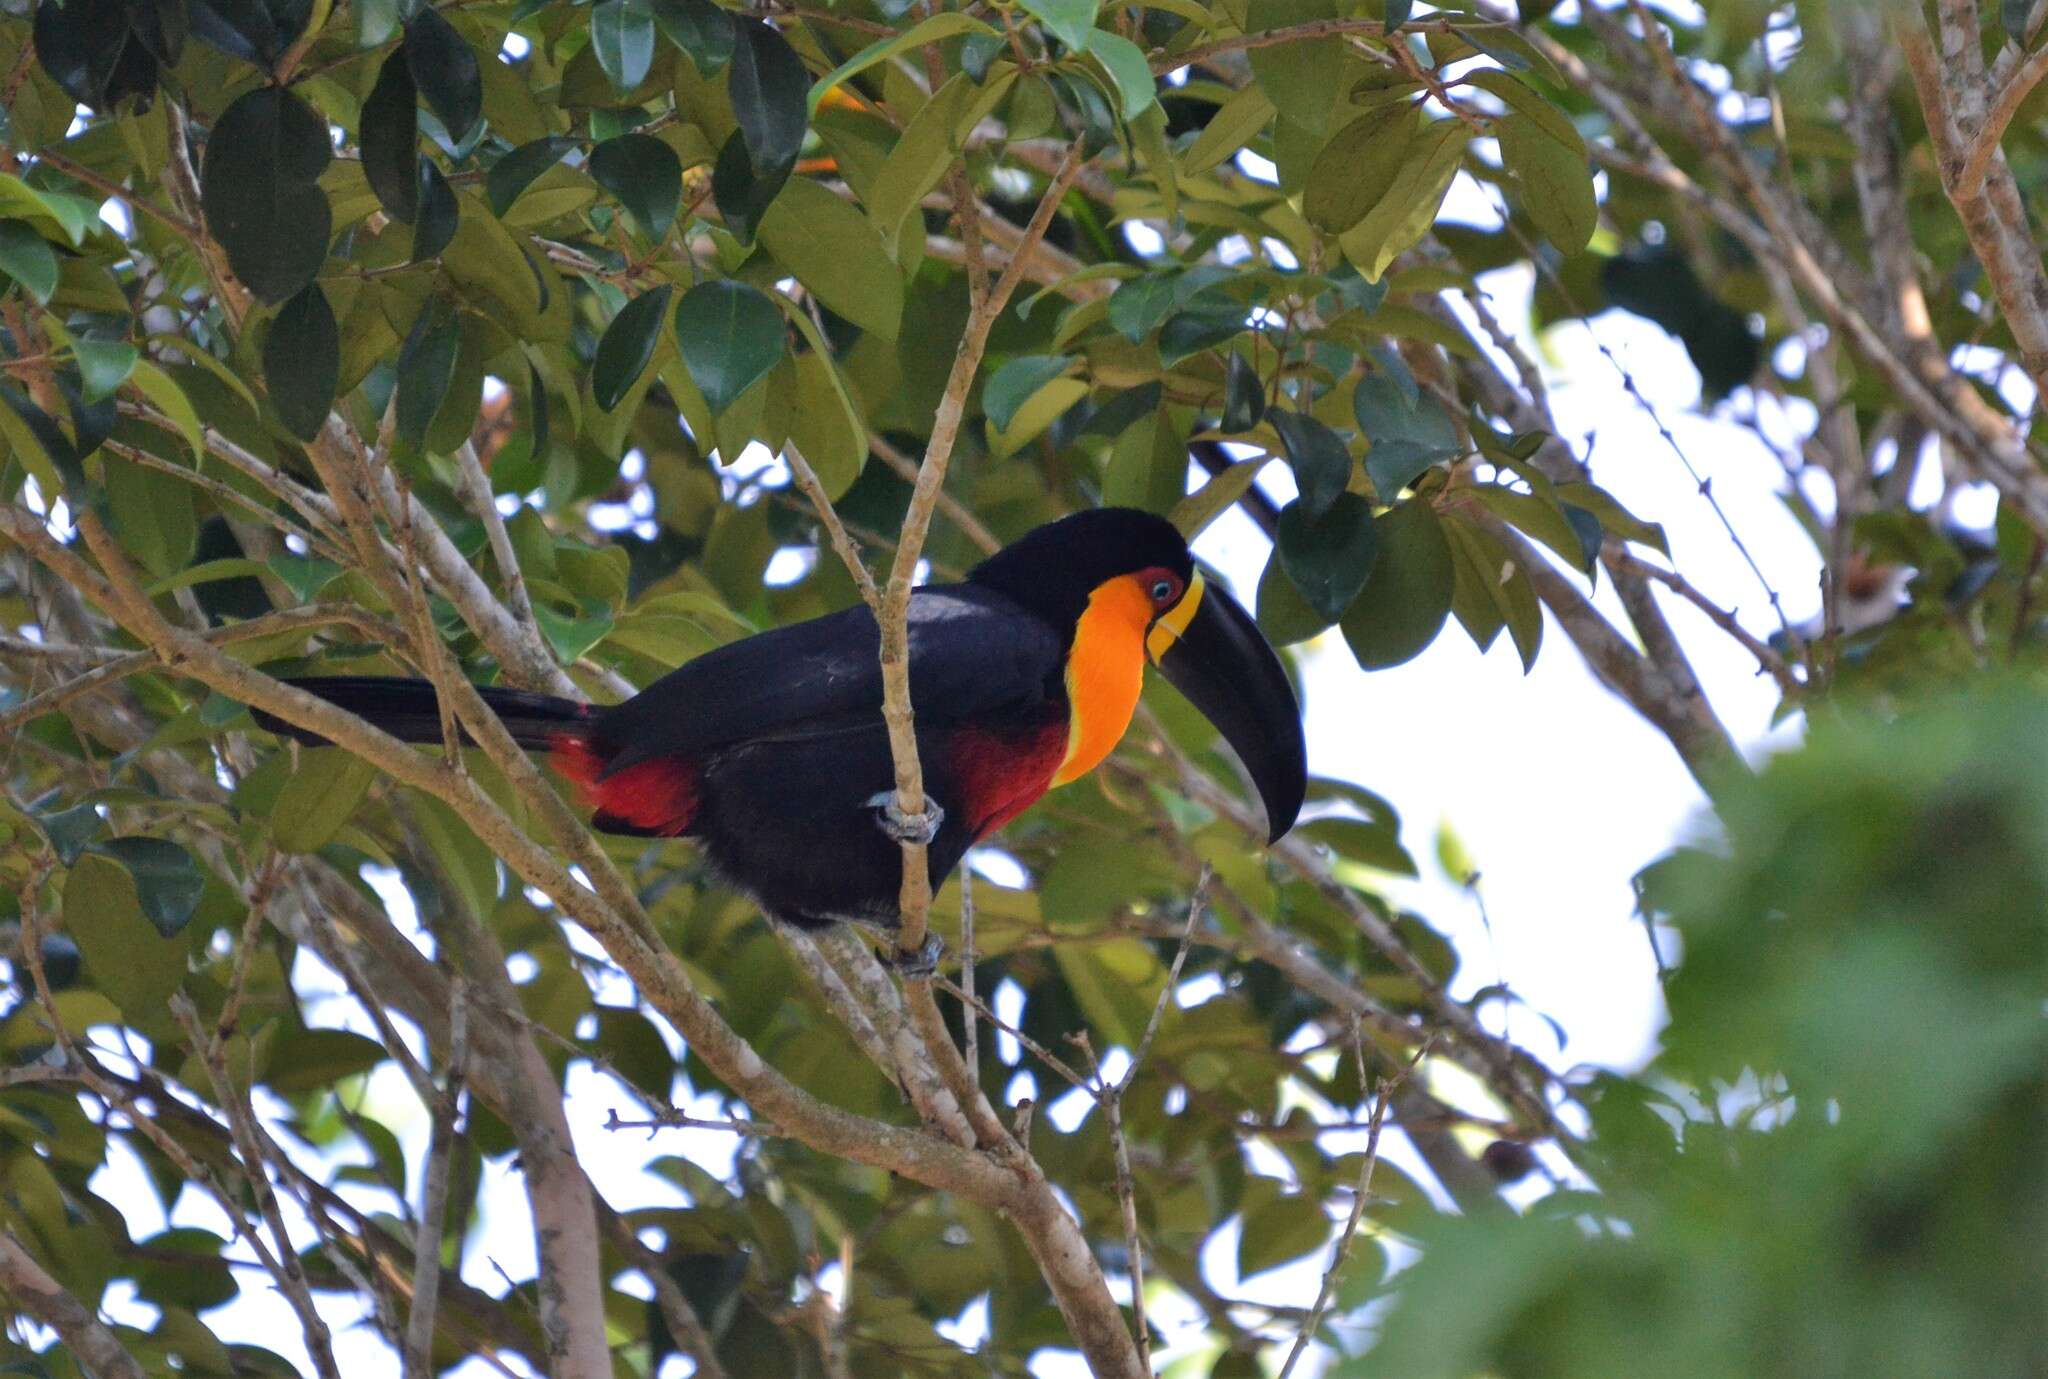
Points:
x=656 y=797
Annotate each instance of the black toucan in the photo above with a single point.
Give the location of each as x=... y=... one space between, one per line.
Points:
x=771 y=752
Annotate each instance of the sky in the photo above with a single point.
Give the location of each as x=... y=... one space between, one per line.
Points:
x=1555 y=789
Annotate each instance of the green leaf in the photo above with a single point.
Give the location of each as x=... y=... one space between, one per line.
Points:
x=931 y=30
x=1407 y=598
x=168 y=398
x=27 y=257
x=1305 y=78
x=1070 y=21
x=571 y=636
x=1236 y=123
x=627 y=346
x=730 y=335
x=1555 y=177
x=836 y=253
x=1125 y=62
x=1116 y=985
x=1321 y=462
x=1408 y=207
x=126 y=955
x=1279 y=1230
x=103 y=366
x=1015 y=383
x=1209 y=502
x=1244 y=396
x=622 y=40
x=699 y=28
x=1355 y=168
x=445 y=70
x=1330 y=557
x=305 y=576
x=1541 y=518
x=426 y=368
x=927 y=149
x=316 y=1058
x=388 y=139
x=302 y=362
x=515 y=172
x=167 y=880
x=1613 y=517
x=318 y=798
x=1394 y=13
x=259 y=190
x=744 y=192
x=770 y=94
x=152 y=515
x=645 y=175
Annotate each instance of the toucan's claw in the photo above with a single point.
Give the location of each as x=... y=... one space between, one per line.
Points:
x=906 y=828
x=923 y=963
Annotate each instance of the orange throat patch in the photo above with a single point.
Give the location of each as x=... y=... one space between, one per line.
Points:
x=1105 y=672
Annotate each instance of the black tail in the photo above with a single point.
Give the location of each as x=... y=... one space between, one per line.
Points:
x=410 y=711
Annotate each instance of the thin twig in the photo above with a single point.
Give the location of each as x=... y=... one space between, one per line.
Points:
x=1359 y=1197
x=433 y=1217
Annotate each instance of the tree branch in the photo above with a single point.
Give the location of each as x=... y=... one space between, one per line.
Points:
x=92 y=1345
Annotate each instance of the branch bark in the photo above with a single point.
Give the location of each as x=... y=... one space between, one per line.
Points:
x=92 y=1345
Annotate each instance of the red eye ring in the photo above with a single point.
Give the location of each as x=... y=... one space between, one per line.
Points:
x=1162 y=586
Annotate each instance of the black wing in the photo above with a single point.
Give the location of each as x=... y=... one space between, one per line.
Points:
x=974 y=655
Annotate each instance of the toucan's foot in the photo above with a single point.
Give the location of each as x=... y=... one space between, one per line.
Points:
x=906 y=828
x=923 y=963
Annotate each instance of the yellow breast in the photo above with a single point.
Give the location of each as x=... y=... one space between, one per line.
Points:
x=1105 y=672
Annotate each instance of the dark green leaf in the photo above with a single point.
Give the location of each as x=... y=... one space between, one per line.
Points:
x=259 y=191
x=699 y=28
x=167 y=881
x=445 y=70
x=1284 y=615
x=302 y=362
x=622 y=38
x=316 y=1058
x=1394 y=13
x=103 y=366
x=513 y=173
x=743 y=191
x=1244 y=396
x=1115 y=415
x=69 y=830
x=1015 y=383
x=769 y=89
x=1408 y=596
x=1409 y=432
x=388 y=137
x=645 y=175
x=1070 y=21
x=1211 y=319
x=731 y=335
x=1322 y=464
x=1330 y=557
x=627 y=345
x=440 y=215
x=86 y=49
x=426 y=366
x=26 y=257
x=246 y=29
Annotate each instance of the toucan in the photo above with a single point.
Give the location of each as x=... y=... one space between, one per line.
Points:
x=771 y=752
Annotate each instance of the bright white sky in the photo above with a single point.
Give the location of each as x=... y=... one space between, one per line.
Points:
x=1558 y=792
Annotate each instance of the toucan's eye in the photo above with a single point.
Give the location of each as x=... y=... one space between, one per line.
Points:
x=1162 y=590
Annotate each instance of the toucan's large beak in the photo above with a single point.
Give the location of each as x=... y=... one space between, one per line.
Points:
x=1213 y=652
